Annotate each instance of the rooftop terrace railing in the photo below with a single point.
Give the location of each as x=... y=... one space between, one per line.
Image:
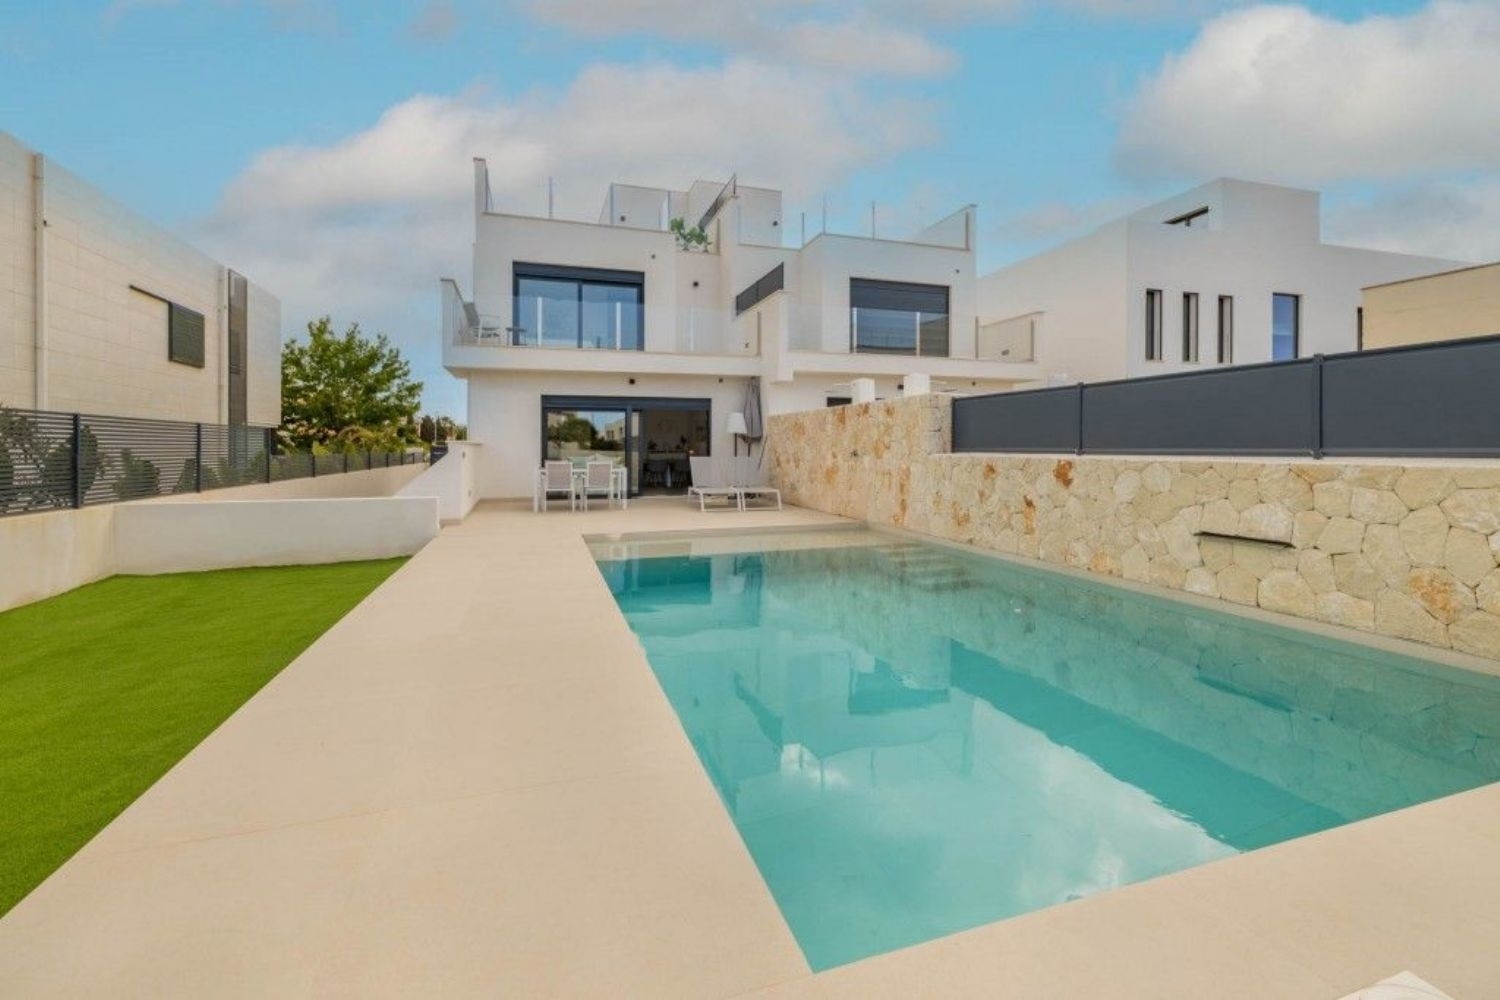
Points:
x=1438 y=400
x=58 y=461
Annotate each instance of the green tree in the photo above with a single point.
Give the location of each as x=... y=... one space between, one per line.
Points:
x=345 y=391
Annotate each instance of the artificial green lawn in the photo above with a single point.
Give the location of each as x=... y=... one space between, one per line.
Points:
x=104 y=688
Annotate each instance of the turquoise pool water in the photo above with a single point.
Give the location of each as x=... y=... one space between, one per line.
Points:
x=914 y=740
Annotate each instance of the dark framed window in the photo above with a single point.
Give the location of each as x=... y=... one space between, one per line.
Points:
x=1286 y=326
x=898 y=317
x=1190 y=326
x=1153 y=325
x=1226 y=329
x=1359 y=328
x=184 y=336
x=838 y=401
x=578 y=307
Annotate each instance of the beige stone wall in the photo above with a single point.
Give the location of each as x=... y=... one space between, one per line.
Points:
x=1408 y=551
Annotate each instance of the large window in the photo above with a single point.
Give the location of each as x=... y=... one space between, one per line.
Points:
x=894 y=317
x=1226 y=329
x=1190 y=326
x=1153 y=324
x=1286 y=326
x=578 y=307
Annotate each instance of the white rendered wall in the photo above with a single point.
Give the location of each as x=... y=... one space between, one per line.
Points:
x=1080 y=289
x=505 y=413
x=215 y=534
x=829 y=262
x=451 y=480
x=1251 y=267
x=107 y=343
x=1256 y=240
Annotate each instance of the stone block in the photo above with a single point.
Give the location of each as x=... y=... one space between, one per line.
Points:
x=1306 y=527
x=1477 y=510
x=1201 y=581
x=1440 y=593
x=1387 y=554
x=1341 y=609
x=1135 y=564
x=1317 y=569
x=1424 y=535
x=1478 y=634
x=1284 y=591
x=1342 y=534
x=1243 y=493
x=1216 y=552
x=1400 y=615
x=1157 y=478
x=1356 y=576
x=1376 y=506
x=1487 y=594
x=1467 y=556
x=1127 y=486
x=1424 y=487
x=1257 y=559
x=1220 y=517
x=1266 y=521
x=1332 y=498
x=1238 y=584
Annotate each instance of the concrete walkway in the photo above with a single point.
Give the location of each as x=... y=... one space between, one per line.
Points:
x=473 y=786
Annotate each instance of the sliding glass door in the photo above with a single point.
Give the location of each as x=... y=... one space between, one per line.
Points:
x=654 y=438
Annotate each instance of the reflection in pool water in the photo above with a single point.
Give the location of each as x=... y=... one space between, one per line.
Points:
x=914 y=740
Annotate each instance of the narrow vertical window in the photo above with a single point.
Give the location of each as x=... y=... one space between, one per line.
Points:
x=1153 y=324
x=1226 y=329
x=1190 y=326
x=1359 y=328
x=1286 y=326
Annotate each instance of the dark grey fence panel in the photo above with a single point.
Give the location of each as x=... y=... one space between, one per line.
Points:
x=1040 y=420
x=1437 y=399
x=1252 y=410
x=51 y=461
x=131 y=459
x=36 y=461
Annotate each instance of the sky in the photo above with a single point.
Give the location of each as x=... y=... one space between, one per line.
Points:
x=324 y=148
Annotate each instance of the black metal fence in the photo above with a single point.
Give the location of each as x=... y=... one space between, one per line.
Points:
x=1439 y=400
x=51 y=461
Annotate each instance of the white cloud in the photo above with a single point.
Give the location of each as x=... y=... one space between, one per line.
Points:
x=1281 y=93
x=1454 y=219
x=363 y=227
x=809 y=33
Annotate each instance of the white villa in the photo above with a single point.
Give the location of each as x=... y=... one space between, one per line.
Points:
x=578 y=331
x=613 y=337
x=1231 y=272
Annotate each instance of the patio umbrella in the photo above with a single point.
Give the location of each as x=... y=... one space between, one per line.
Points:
x=754 y=426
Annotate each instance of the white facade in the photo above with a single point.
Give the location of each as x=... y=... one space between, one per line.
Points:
x=696 y=346
x=86 y=287
x=1242 y=241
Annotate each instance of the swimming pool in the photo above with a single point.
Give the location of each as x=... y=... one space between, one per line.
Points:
x=914 y=740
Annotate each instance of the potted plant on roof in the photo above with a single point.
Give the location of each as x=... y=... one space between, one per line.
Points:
x=688 y=238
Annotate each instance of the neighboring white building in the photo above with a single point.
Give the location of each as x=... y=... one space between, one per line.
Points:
x=1232 y=272
x=608 y=337
x=102 y=312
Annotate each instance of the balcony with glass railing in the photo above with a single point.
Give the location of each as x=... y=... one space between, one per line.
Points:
x=592 y=322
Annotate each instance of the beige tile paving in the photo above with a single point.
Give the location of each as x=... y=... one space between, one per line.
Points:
x=472 y=786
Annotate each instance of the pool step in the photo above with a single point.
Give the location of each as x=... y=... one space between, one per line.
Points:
x=926 y=568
